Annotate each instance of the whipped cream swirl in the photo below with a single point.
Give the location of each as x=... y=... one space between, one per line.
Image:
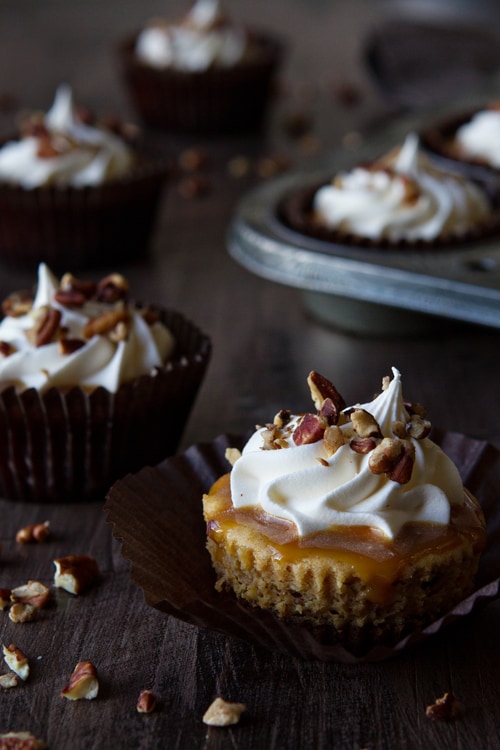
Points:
x=100 y=361
x=202 y=39
x=78 y=154
x=318 y=492
x=480 y=137
x=401 y=197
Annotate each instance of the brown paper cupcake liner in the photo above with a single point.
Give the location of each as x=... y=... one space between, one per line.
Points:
x=70 y=445
x=218 y=100
x=295 y=213
x=86 y=227
x=157 y=516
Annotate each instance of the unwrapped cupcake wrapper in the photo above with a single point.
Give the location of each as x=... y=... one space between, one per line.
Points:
x=70 y=445
x=86 y=227
x=175 y=571
x=218 y=100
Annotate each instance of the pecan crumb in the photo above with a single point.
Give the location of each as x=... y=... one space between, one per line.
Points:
x=75 y=573
x=34 y=532
x=443 y=709
x=9 y=680
x=83 y=683
x=222 y=713
x=232 y=455
x=17 y=304
x=146 y=702
x=20 y=741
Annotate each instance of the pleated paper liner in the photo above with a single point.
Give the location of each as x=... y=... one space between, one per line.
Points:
x=214 y=101
x=70 y=445
x=82 y=227
x=157 y=515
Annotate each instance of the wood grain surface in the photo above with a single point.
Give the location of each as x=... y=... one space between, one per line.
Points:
x=264 y=347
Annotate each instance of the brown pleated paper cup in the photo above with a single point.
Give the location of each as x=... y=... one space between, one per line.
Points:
x=84 y=227
x=175 y=570
x=70 y=445
x=217 y=100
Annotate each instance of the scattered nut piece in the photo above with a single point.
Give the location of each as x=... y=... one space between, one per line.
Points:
x=5 y=600
x=146 y=702
x=222 y=714
x=70 y=346
x=70 y=297
x=20 y=741
x=322 y=461
x=386 y=455
x=363 y=444
x=282 y=418
x=75 y=573
x=365 y=424
x=20 y=612
x=333 y=439
x=6 y=349
x=9 y=680
x=34 y=532
x=402 y=471
x=444 y=708
x=17 y=304
x=46 y=326
x=399 y=429
x=310 y=429
x=112 y=288
x=34 y=593
x=83 y=683
x=104 y=323
x=16 y=660
x=322 y=390
x=419 y=428
x=232 y=455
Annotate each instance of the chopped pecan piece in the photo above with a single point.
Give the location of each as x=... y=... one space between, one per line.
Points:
x=70 y=297
x=5 y=600
x=34 y=532
x=86 y=288
x=282 y=418
x=105 y=323
x=75 y=573
x=20 y=741
x=333 y=439
x=16 y=660
x=146 y=702
x=386 y=455
x=322 y=389
x=310 y=429
x=21 y=612
x=232 y=455
x=17 y=304
x=112 y=288
x=363 y=444
x=399 y=429
x=47 y=322
x=365 y=424
x=83 y=683
x=222 y=714
x=402 y=471
x=444 y=708
x=33 y=593
x=9 y=680
x=419 y=428
x=412 y=407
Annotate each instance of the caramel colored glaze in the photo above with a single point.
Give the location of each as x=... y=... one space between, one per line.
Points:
x=375 y=559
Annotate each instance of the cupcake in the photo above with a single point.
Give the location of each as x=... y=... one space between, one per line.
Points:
x=76 y=191
x=201 y=73
x=470 y=143
x=399 y=201
x=92 y=386
x=350 y=522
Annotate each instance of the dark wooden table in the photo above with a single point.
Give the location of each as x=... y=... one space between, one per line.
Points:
x=264 y=346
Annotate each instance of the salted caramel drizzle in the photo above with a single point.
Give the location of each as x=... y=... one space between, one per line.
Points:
x=373 y=557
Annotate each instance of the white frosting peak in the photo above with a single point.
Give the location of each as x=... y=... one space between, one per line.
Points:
x=99 y=362
x=82 y=154
x=401 y=197
x=303 y=484
x=480 y=137
x=203 y=38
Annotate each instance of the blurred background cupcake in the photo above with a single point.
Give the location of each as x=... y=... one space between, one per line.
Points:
x=75 y=190
x=201 y=73
x=92 y=386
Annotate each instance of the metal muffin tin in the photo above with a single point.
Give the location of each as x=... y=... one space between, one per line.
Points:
x=364 y=289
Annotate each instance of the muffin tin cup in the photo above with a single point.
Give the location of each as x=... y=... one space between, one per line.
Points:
x=214 y=101
x=88 y=227
x=70 y=445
